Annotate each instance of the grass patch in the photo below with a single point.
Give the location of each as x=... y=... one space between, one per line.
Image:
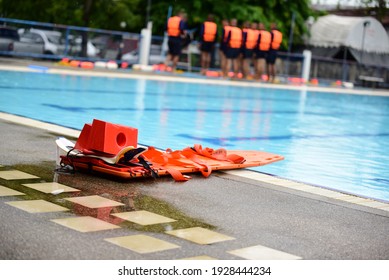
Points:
x=160 y=207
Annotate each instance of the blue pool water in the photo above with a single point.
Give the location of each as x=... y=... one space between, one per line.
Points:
x=340 y=141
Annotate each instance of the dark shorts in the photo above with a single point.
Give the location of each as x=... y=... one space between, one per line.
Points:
x=248 y=53
x=271 y=57
x=232 y=53
x=223 y=47
x=207 y=46
x=260 y=54
x=174 y=44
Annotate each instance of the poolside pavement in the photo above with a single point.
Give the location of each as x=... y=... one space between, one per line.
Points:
x=254 y=215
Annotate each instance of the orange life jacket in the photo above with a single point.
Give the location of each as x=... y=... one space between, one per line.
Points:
x=251 y=38
x=236 y=37
x=210 y=29
x=264 y=43
x=226 y=29
x=173 y=26
x=277 y=39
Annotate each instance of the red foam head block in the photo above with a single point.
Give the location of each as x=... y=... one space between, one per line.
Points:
x=83 y=140
x=111 y=138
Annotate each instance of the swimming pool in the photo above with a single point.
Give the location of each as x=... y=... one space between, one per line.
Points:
x=334 y=140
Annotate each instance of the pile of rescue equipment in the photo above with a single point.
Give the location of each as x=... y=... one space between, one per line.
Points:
x=111 y=149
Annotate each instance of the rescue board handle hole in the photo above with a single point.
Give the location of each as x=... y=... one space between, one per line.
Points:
x=121 y=139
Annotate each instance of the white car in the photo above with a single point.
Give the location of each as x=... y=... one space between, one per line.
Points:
x=51 y=40
x=91 y=50
x=54 y=43
x=155 y=57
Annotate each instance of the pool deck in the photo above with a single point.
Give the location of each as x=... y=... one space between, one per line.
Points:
x=259 y=216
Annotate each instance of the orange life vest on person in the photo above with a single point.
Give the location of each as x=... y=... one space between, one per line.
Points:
x=173 y=26
x=277 y=39
x=226 y=29
x=236 y=37
x=251 y=38
x=210 y=30
x=265 y=42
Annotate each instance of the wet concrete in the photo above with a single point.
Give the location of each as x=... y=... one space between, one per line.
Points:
x=253 y=212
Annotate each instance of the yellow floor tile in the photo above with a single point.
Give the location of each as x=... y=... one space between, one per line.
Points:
x=94 y=201
x=37 y=206
x=16 y=175
x=143 y=218
x=4 y=191
x=262 y=253
x=199 y=235
x=85 y=224
x=51 y=187
x=204 y=257
x=142 y=243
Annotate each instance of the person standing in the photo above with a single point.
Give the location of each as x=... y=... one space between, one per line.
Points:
x=176 y=30
x=276 y=40
x=233 y=49
x=250 y=38
x=254 y=27
x=263 y=47
x=222 y=46
x=208 y=35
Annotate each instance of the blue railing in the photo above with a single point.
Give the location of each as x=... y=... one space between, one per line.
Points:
x=112 y=44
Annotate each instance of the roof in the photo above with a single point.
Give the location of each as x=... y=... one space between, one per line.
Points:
x=359 y=33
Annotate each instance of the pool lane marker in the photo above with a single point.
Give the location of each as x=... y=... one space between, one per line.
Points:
x=309 y=189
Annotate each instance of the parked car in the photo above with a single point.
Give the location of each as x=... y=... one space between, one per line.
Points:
x=8 y=35
x=10 y=40
x=91 y=49
x=40 y=41
x=52 y=42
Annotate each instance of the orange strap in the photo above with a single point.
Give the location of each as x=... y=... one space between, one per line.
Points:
x=161 y=160
x=219 y=154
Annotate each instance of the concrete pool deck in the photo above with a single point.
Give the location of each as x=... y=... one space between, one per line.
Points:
x=255 y=216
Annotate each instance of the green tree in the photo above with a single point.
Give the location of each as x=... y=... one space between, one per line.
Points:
x=380 y=7
x=110 y=14
x=279 y=11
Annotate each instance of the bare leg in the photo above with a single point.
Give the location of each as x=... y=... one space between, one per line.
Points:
x=175 y=61
x=271 y=73
x=260 y=68
x=207 y=60
x=227 y=67
x=222 y=61
x=203 y=62
x=246 y=68
x=237 y=64
x=168 y=58
x=240 y=62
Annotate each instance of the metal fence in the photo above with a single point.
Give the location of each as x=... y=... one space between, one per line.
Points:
x=329 y=70
x=55 y=41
